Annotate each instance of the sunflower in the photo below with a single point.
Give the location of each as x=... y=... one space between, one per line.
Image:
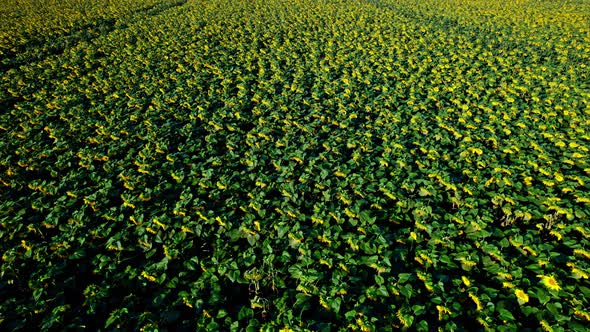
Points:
x=466 y=281
x=521 y=296
x=550 y=282
x=442 y=310
x=476 y=300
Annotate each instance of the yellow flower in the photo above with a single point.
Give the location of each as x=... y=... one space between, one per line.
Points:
x=24 y=245
x=466 y=281
x=317 y=221
x=442 y=310
x=483 y=323
x=549 y=282
x=579 y=273
x=148 y=277
x=582 y=252
x=402 y=319
x=556 y=234
x=578 y=155
x=545 y=326
x=475 y=300
x=507 y=284
x=521 y=296
x=583 y=315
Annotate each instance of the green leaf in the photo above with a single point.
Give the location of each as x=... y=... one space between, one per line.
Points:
x=403 y=277
x=418 y=310
x=212 y=326
x=505 y=315
x=335 y=304
x=245 y=313
x=221 y=313
x=382 y=291
x=553 y=308
x=302 y=300
x=528 y=310
x=422 y=326
x=543 y=296
x=585 y=291
x=379 y=279
x=350 y=315
x=436 y=300
x=406 y=291
x=115 y=316
x=366 y=218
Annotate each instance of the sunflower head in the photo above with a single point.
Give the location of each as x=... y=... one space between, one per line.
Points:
x=521 y=296
x=466 y=281
x=550 y=282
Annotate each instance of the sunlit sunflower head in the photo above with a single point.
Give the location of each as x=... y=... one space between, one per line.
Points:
x=466 y=281
x=521 y=296
x=550 y=282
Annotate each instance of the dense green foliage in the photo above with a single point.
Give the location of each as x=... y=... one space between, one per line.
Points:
x=302 y=164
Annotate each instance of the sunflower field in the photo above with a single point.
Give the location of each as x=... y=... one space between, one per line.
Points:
x=295 y=165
